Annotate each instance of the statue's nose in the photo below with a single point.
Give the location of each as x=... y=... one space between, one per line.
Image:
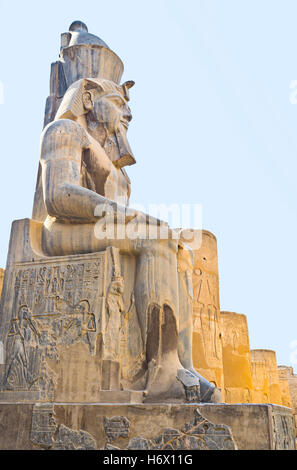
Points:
x=127 y=114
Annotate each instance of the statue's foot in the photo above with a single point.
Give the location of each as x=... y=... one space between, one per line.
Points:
x=163 y=384
x=216 y=396
x=168 y=381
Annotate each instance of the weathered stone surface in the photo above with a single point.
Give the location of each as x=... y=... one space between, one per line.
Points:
x=207 y=342
x=236 y=358
x=284 y=386
x=45 y=432
x=198 y=434
x=255 y=426
x=269 y=358
x=81 y=426
x=260 y=382
x=116 y=427
x=292 y=382
x=2 y=272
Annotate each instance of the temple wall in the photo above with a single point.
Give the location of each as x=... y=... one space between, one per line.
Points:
x=236 y=358
x=207 y=341
x=269 y=358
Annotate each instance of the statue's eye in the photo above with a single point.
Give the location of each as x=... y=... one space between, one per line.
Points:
x=118 y=101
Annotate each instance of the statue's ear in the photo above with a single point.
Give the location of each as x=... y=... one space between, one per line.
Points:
x=87 y=101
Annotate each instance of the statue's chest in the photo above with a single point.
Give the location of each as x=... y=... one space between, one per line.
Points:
x=100 y=175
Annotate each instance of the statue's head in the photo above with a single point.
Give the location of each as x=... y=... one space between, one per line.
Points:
x=117 y=286
x=103 y=105
x=24 y=312
x=84 y=307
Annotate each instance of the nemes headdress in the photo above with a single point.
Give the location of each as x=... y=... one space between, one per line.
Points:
x=72 y=104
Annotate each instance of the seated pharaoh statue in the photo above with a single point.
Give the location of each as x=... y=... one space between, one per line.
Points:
x=102 y=299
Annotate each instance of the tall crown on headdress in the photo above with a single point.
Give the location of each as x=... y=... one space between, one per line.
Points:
x=83 y=55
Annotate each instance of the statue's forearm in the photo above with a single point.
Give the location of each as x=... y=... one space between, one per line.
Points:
x=75 y=203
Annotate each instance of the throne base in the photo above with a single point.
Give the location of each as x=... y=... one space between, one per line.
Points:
x=78 y=426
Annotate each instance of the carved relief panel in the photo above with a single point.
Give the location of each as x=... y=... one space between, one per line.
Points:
x=58 y=302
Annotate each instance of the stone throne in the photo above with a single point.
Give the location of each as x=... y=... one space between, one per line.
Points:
x=87 y=318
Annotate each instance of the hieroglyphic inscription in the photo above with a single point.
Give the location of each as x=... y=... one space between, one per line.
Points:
x=45 y=432
x=119 y=426
x=206 y=310
x=40 y=284
x=43 y=425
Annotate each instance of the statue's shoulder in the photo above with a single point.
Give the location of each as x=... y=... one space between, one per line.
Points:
x=61 y=130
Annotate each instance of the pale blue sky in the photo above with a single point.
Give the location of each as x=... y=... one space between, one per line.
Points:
x=213 y=124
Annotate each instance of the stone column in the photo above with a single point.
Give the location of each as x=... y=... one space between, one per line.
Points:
x=260 y=382
x=292 y=382
x=207 y=342
x=2 y=272
x=284 y=386
x=269 y=357
x=236 y=358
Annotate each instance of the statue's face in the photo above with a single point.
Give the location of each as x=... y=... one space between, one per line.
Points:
x=113 y=112
x=117 y=287
x=84 y=308
x=108 y=121
x=24 y=314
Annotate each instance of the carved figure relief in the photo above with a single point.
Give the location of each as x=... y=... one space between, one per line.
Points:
x=115 y=309
x=206 y=311
x=131 y=346
x=25 y=337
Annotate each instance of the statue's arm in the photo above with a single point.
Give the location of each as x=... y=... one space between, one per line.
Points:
x=62 y=145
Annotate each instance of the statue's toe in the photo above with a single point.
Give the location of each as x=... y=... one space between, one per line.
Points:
x=216 y=396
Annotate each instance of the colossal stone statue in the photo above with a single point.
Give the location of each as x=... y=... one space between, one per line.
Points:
x=134 y=282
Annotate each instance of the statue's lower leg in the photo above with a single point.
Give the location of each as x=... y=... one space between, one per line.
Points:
x=161 y=355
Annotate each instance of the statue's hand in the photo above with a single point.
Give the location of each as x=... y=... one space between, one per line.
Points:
x=144 y=219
